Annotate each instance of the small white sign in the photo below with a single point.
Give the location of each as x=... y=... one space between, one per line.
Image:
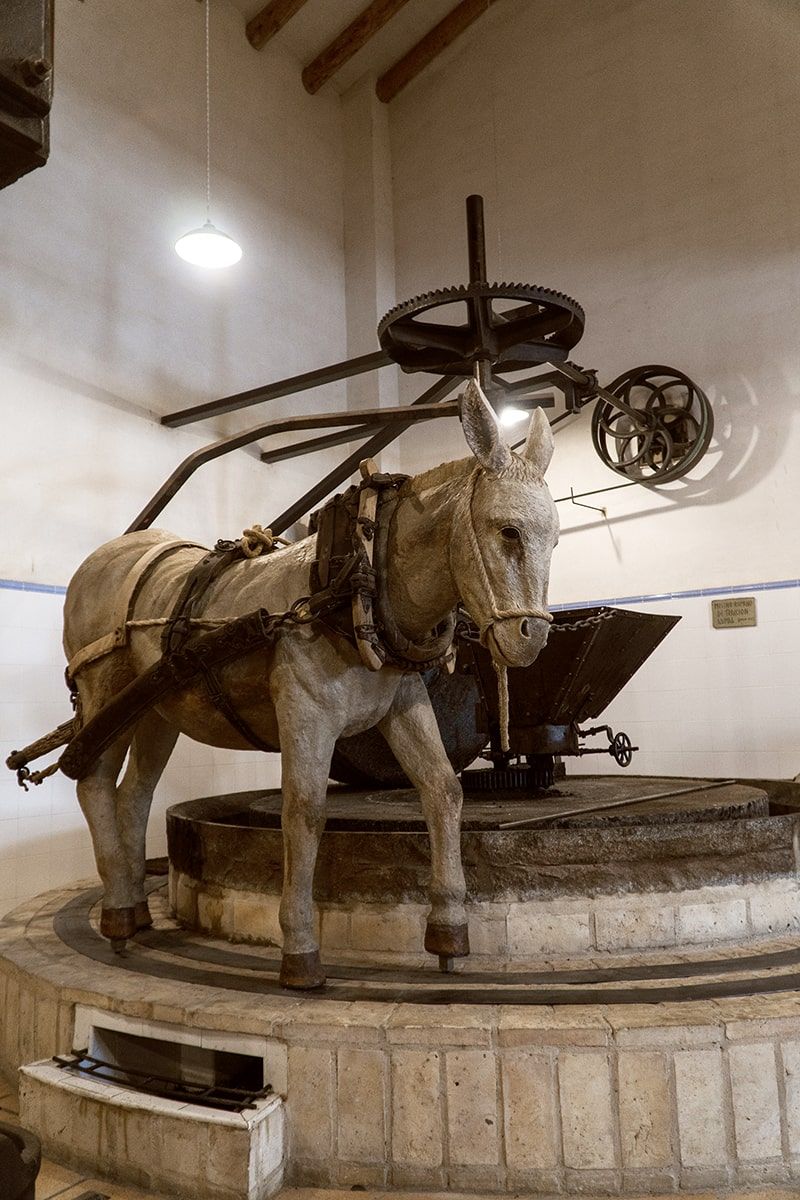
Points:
x=735 y=613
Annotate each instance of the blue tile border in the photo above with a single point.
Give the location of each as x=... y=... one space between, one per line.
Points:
x=689 y=593
x=55 y=589
x=16 y=585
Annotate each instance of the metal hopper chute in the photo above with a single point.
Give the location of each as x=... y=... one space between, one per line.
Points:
x=589 y=657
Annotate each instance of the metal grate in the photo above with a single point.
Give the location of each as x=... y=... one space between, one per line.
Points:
x=212 y=1096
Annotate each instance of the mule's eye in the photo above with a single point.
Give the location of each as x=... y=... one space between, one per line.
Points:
x=511 y=533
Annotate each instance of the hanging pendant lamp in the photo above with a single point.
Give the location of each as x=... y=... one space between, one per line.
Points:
x=208 y=246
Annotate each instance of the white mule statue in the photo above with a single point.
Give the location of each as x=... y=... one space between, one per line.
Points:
x=478 y=532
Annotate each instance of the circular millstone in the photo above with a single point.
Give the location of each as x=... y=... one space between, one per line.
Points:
x=398 y=809
x=376 y=849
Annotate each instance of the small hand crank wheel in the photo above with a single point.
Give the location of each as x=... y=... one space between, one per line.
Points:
x=622 y=750
x=668 y=432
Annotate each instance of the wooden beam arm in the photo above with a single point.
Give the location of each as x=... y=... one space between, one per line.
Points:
x=349 y=42
x=271 y=20
x=429 y=47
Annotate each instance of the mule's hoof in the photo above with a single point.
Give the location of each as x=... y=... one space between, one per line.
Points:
x=141 y=914
x=118 y=945
x=448 y=941
x=118 y=923
x=302 y=971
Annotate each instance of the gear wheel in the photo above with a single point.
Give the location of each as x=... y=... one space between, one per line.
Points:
x=542 y=326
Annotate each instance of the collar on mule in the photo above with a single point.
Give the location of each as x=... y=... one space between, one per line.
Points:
x=348 y=575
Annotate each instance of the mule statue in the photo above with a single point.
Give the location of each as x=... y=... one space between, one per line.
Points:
x=478 y=532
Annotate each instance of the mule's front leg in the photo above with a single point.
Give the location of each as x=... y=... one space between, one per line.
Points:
x=306 y=750
x=411 y=730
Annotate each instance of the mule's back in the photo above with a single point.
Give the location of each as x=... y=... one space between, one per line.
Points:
x=98 y=591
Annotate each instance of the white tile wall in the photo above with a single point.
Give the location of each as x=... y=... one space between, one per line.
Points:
x=713 y=701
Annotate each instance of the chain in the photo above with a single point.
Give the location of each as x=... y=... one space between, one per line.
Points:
x=298 y=614
x=605 y=614
x=466 y=630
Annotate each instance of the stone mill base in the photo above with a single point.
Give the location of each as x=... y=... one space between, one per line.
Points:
x=678 y=1071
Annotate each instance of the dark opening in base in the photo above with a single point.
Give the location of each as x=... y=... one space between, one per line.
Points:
x=176 y=1071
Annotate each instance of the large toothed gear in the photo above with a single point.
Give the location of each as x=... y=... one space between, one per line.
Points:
x=542 y=326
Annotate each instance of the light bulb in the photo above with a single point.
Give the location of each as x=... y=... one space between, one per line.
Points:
x=208 y=247
x=512 y=416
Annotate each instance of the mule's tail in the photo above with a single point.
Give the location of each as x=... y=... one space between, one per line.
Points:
x=18 y=759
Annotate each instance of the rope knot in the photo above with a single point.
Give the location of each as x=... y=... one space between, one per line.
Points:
x=256 y=540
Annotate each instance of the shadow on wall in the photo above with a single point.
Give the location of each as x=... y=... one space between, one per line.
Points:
x=744 y=451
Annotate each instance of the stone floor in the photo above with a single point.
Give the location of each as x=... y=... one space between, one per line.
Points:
x=59 y=1183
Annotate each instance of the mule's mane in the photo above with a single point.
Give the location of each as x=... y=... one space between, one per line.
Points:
x=519 y=469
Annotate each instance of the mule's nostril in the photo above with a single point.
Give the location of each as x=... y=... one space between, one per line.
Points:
x=525 y=628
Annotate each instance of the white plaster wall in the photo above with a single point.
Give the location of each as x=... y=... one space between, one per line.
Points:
x=642 y=157
x=102 y=326
x=710 y=702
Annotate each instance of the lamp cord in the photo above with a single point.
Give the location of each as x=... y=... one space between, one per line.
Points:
x=208 y=110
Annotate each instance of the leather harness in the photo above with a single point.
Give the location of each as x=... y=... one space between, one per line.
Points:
x=340 y=571
x=347 y=593
x=178 y=630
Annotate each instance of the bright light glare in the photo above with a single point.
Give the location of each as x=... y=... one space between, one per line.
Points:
x=208 y=247
x=512 y=416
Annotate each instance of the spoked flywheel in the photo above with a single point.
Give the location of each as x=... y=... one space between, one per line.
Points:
x=511 y=325
x=660 y=428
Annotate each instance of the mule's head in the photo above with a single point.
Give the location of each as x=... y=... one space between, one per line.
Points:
x=504 y=533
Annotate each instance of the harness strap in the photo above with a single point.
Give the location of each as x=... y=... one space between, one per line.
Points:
x=219 y=698
x=241 y=636
x=366 y=526
x=197 y=582
x=179 y=628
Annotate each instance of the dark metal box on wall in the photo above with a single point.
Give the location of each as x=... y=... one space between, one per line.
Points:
x=26 y=86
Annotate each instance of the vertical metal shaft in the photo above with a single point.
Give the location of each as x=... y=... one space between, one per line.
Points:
x=476 y=248
x=483 y=377
x=476 y=240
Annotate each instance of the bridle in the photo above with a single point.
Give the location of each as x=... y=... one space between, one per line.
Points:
x=495 y=613
x=464 y=510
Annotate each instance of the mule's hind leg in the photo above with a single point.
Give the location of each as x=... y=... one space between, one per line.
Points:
x=306 y=751
x=152 y=744
x=411 y=730
x=96 y=795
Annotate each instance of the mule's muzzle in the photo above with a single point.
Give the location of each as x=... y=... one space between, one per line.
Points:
x=516 y=641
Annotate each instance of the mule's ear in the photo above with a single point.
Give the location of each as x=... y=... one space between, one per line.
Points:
x=482 y=430
x=539 y=443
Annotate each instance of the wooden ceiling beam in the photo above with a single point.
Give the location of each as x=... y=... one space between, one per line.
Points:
x=349 y=42
x=429 y=47
x=271 y=20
